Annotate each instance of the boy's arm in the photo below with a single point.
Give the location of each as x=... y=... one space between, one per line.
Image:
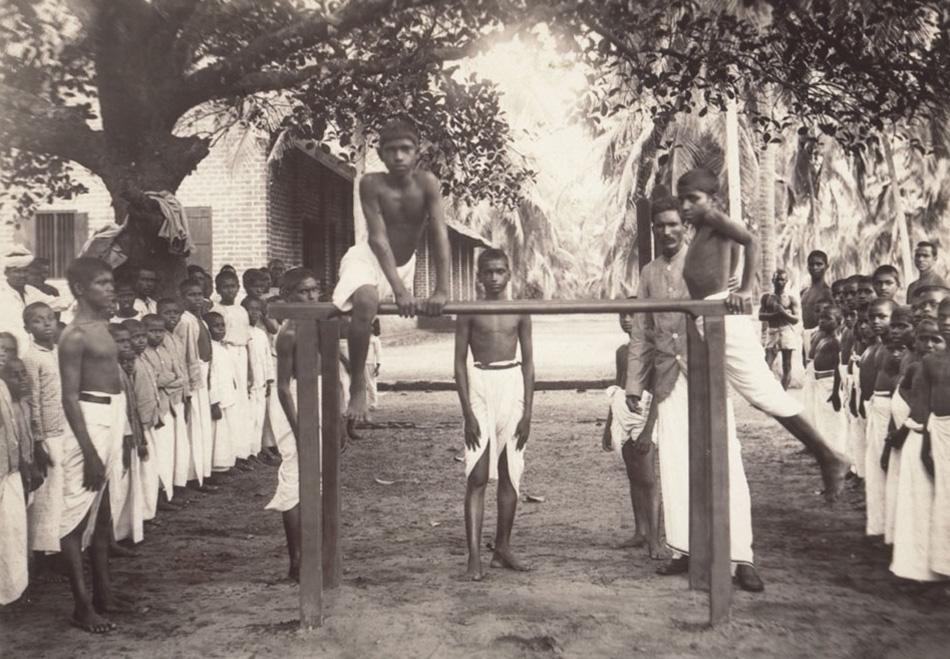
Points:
x=463 y=332
x=523 y=429
x=35 y=401
x=640 y=351
x=920 y=387
x=71 y=349
x=440 y=236
x=285 y=371
x=764 y=315
x=379 y=243
x=793 y=313
x=720 y=222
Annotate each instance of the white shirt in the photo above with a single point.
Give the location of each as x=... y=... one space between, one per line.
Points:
x=12 y=306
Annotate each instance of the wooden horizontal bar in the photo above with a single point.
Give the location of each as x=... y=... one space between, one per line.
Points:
x=323 y=310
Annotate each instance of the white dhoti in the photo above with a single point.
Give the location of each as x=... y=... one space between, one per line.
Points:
x=105 y=424
x=360 y=267
x=746 y=369
x=939 y=427
x=258 y=408
x=13 y=544
x=624 y=424
x=287 y=495
x=900 y=410
x=913 y=514
x=496 y=393
x=201 y=413
x=226 y=438
x=47 y=508
x=808 y=394
x=127 y=499
x=241 y=415
x=831 y=424
x=672 y=437
x=879 y=416
x=148 y=474
x=187 y=454
x=164 y=456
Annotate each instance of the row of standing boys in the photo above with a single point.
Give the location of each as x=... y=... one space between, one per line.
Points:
x=877 y=385
x=197 y=371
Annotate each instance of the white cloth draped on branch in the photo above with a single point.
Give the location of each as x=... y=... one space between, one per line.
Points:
x=175 y=227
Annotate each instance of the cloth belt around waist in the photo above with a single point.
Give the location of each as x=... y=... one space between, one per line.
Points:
x=496 y=367
x=821 y=375
x=883 y=394
x=93 y=398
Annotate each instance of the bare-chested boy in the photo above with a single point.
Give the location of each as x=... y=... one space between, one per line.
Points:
x=497 y=396
x=827 y=410
x=399 y=206
x=780 y=312
x=95 y=412
x=817 y=290
x=706 y=272
x=887 y=282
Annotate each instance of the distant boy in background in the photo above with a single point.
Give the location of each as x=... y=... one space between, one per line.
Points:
x=125 y=303
x=222 y=393
x=887 y=282
x=817 y=290
x=780 y=312
x=237 y=336
x=261 y=369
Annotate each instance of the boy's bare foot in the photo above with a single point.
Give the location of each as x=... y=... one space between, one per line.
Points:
x=351 y=429
x=657 y=552
x=114 y=603
x=474 y=571
x=503 y=558
x=834 y=470
x=637 y=541
x=118 y=551
x=358 y=409
x=92 y=622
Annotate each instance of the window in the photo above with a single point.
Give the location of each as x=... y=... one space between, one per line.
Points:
x=58 y=236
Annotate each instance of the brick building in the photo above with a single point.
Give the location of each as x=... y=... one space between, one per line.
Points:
x=298 y=209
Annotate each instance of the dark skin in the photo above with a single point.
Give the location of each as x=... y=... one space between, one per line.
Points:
x=492 y=338
x=817 y=267
x=217 y=329
x=706 y=272
x=193 y=301
x=145 y=283
x=879 y=315
x=88 y=362
x=864 y=295
x=41 y=325
x=125 y=299
x=825 y=352
x=779 y=309
x=932 y=387
x=399 y=206
x=886 y=285
x=308 y=291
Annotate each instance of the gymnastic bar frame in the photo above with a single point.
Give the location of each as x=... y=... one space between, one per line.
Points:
x=317 y=346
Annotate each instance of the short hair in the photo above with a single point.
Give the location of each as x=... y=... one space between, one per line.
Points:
x=902 y=313
x=930 y=322
x=147 y=268
x=273 y=261
x=30 y=310
x=115 y=328
x=863 y=279
x=165 y=301
x=838 y=282
x=225 y=275
x=884 y=302
x=190 y=282
x=83 y=270
x=663 y=205
x=124 y=284
x=39 y=260
x=153 y=318
x=294 y=276
x=944 y=306
x=928 y=243
x=818 y=253
x=887 y=269
x=251 y=276
x=194 y=269
x=8 y=335
x=132 y=324
x=492 y=254
x=398 y=128
x=930 y=288
x=210 y=315
x=701 y=180
x=250 y=300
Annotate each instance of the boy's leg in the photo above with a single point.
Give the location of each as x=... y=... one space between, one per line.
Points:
x=475 y=513
x=507 y=503
x=645 y=497
x=84 y=615
x=292 y=531
x=365 y=305
x=103 y=598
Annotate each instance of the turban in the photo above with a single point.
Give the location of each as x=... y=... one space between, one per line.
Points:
x=17 y=257
x=701 y=180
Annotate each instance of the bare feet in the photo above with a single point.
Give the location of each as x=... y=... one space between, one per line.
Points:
x=474 y=571
x=118 y=551
x=358 y=409
x=637 y=541
x=351 y=429
x=503 y=558
x=834 y=470
x=657 y=552
x=113 y=603
x=92 y=622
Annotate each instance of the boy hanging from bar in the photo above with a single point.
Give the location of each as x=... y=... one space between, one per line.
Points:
x=399 y=206
x=95 y=411
x=496 y=395
x=706 y=272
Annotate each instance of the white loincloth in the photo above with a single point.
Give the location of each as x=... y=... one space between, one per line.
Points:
x=164 y=456
x=359 y=268
x=808 y=394
x=900 y=410
x=287 y=495
x=879 y=416
x=201 y=412
x=746 y=369
x=830 y=424
x=914 y=515
x=13 y=544
x=257 y=402
x=47 y=508
x=186 y=459
x=105 y=424
x=224 y=449
x=127 y=499
x=939 y=427
x=624 y=424
x=242 y=426
x=148 y=474
x=807 y=334
x=857 y=426
x=497 y=399
x=672 y=437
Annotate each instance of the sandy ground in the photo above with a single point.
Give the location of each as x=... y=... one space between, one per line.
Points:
x=209 y=580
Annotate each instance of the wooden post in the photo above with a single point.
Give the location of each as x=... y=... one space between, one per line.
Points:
x=717 y=494
x=308 y=448
x=330 y=405
x=699 y=511
x=644 y=233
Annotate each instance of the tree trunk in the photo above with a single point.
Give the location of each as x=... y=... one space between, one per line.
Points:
x=766 y=213
x=900 y=216
x=360 y=232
